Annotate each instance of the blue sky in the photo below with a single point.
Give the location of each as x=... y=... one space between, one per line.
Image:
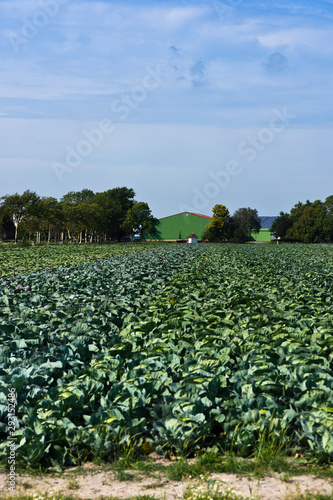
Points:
x=190 y=103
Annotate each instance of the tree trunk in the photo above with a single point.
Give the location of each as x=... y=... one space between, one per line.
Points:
x=16 y=228
x=49 y=236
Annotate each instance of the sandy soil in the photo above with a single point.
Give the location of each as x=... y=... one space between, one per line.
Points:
x=94 y=482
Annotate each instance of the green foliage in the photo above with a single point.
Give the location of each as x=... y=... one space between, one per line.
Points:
x=139 y=220
x=216 y=230
x=238 y=227
x=309 y=226
x=329 y=218
x=79 y=216
x=24 y=258
x=281 y=225
x=177 y=350
x=19 y=207
x=309 y=222
x=245 y=220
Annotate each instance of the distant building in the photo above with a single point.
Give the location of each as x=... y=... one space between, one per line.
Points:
x=192 y=238
x=264 y=234
x=180 y=226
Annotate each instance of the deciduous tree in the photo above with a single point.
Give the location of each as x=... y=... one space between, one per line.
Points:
x=245 y=221
x=18 y=206
x=216 y=229
x=139 y=219
x=281 y=225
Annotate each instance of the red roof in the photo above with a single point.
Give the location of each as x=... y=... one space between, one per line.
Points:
x=193 y=235
x=191 y=213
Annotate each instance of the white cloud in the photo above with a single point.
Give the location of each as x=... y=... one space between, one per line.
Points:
x=164 y=17
x=313 y=39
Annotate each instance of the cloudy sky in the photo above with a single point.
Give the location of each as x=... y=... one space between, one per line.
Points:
x=188 y=102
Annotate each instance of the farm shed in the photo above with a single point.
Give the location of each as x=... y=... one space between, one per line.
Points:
x=264 y=234
x=180 y=226
x=192 y=238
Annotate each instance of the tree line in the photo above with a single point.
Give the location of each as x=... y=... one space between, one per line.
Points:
x=309 y=222
x=236 y=227
x=84 y=216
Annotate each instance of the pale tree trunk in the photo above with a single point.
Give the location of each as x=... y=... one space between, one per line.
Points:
x=80 y=240
x=49 y=237
x=16 y=230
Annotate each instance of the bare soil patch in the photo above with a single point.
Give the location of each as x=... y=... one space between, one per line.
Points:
x=94 y=482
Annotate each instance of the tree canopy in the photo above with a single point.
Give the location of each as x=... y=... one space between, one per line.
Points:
x=217 y=229
x=139 y=220
x=309 y=222
x=245 y=221
x=83 y=215
x=238 y=227
x=20 y=207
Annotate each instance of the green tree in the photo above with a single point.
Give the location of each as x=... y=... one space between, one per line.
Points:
x=74 y=207
x=245 y=221
x=216 y=229
x=110 y=215
x=102 y=213
x=72 y=217
x=328 y=203
x=310 y=225
x=78 y=196
x=7 y=227
x=139 y=220
x=123 y=197
x=19 y=206
x=51 y=214
x=298 y=209
x=281 y=225
x=92 y=214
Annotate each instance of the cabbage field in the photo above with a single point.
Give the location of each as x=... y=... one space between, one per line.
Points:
x=178 y=349
x=17 y=259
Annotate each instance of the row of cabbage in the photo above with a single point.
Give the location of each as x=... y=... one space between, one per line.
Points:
x=190 y=348
x=14 y=260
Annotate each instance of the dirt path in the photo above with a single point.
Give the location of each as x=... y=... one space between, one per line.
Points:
x=94 y=482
